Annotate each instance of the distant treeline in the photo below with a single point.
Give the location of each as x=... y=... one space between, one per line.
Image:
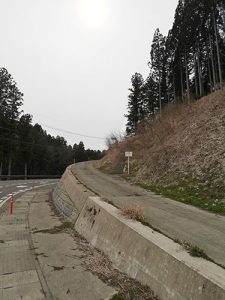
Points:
x=186 y=64
x=27 y=148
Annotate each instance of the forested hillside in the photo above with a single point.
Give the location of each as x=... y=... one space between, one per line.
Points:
x=185 y=65
x=27 y=148
x=176 y=116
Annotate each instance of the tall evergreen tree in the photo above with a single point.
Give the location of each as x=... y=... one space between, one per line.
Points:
x=157 y=64
x=135 y=104
x=150 y=93
x=188 y=63
x=11 y=100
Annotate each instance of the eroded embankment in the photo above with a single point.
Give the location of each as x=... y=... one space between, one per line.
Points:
x=141 y=252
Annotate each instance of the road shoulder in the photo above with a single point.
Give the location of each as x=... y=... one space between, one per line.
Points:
x=59 y=256
x=19 y=276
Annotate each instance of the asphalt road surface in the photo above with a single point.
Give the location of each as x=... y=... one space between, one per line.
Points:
x=18 y=187
x=177 y=220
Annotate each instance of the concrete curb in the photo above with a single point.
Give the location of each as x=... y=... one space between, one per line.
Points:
x=142 y=253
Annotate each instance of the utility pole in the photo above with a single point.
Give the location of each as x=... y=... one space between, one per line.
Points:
x=25 y=171
x=1 y=166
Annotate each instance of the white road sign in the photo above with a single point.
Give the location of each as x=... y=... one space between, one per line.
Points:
x=128 y=154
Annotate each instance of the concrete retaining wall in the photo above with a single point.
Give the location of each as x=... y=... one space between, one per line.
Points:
x=69 y=196
x=149 y=256
x=63 y=203
x=142 y=253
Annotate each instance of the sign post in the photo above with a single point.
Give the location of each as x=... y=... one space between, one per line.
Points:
x=128 y=155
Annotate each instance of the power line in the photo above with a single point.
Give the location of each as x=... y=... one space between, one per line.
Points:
x=57 y=129
x=73 y=133
x=32 y=143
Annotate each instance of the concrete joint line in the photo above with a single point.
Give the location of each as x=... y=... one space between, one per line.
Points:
x=45 y=287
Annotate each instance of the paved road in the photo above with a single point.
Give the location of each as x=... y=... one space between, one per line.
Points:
x=18 y=187
x=177 y=220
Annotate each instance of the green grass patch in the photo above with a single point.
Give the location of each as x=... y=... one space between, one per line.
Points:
x=202 y=196
x=127 y=177
x=198 y=252
x=194 y=251
x=68 y=225
x=118 y=297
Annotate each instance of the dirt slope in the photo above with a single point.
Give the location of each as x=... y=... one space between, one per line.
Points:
x=187 y=142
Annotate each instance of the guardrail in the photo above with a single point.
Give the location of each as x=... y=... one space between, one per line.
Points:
x=25 y=177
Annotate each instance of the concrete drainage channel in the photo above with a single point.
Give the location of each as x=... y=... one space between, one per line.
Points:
x=137 y=250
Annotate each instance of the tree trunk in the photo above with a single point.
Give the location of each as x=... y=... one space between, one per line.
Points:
x=199 y=74
x=1 y=166
x=217 y=50
x=187 y=77
x=160 y=99
x=196 y=79
x=213 y=65
x=223 y=14
x=25 y=171
x=160 y=92
x=174 y=90
x=10 y=165
x=181 y=80
x=210 y=77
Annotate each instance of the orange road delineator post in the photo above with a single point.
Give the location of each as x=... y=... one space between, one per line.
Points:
x=11 y=205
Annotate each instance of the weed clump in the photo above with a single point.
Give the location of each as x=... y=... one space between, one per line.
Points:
x=194 y=251
x=117 y=297
x=107 y=200
x=198 y=252
x=68 y=225
x=133 y=213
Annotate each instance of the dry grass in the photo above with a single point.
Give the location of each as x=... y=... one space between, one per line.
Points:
x=132 y=213
x=96 y=262
x=186 y=140
x=105 y=199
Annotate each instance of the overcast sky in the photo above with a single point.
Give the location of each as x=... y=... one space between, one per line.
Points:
x=73 y=59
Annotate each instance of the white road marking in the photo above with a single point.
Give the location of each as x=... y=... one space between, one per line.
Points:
x=6 y=198
x=4 y=201
x=21 y=186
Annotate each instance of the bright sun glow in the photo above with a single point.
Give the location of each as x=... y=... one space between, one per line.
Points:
x=94 y=13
